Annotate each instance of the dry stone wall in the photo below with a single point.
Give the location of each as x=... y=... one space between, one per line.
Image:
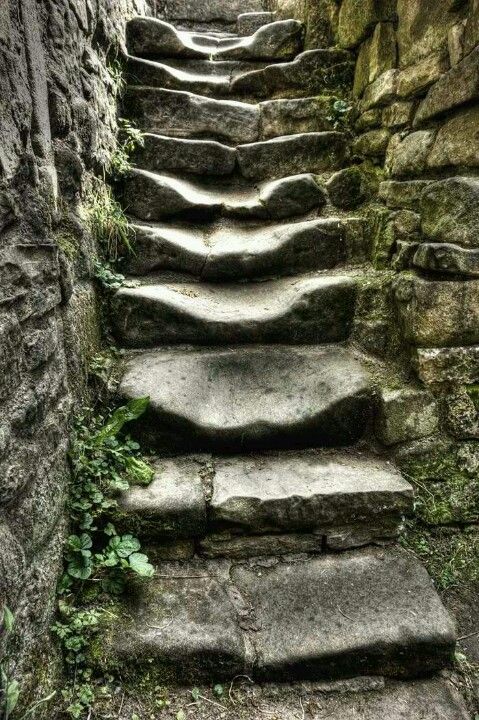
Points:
x=57 y=123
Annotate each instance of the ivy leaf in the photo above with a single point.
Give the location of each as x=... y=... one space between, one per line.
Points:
x=79 y=568
x=109 y=529
x=120 y=417
x=139 y=564
x=8 y=620
x=80 y=543
x=127 y=545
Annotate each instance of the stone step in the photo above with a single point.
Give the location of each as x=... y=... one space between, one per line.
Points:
x=275 y=502
x=305 y=310
x=228 y=252
x=367 y=612
x=250 y=397
x=289 y=155
x=149 y=196
x=313 y=72
x=248 y=23
x=149 y=37
x=306 y=152
x=207 y=11
x=185 y=115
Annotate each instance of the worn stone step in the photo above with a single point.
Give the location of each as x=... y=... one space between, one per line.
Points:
x=237 y=251
x=297 y=115
x=306 y=152
x=249 y=397
x=185 y=115
x=367 y=612
x=313 y=72
x=149 y=37
x=249 y=22
x=210 y=10
x=151 y=196
x=199 y=157
x=269 y=501
x=306 y=310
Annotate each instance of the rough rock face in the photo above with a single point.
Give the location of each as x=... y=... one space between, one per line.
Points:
x=59 y=117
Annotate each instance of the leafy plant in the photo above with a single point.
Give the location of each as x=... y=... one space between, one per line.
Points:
x=107 y=220
x=339 y=113
x=130 y=138
x=107 y=277
x=97 y=557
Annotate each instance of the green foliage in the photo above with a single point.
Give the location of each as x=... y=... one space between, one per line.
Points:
x=130 y=138
x=339 y=114
x=107 y=221
x=115 y=71
x=98 y=560
x=108 y=278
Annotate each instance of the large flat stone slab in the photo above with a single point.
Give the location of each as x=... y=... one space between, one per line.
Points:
x=447 y=258
x=186 y=115
x=199 y=157
x=317 y=309
x=296 y=115
x=205 y=78
x=150 y=37
x=250 y=397
x=291 y=154
x=228 y=252
x=450 y=211
x=364 y=612
x=368 y=612
x=313 y=72
x=150 y=196
x=308 y=491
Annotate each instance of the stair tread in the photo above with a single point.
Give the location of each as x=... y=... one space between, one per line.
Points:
x=310 y=73
x=238 y=251
x=152 y=196
x=211 y=10
x=150 y=37
x=371 y=611
x=302 y=309
x=348 y=498
x=250 y=396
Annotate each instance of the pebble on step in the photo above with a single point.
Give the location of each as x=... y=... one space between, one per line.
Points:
x=151 y=197
x=305 y=310
x=250 y=397
x=149 y=37
x=239 y=251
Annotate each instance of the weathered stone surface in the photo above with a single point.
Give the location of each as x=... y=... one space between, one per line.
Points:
x=405 y=194
x=361 y=72
x=408 y=156
x=298 y=115
x=459 y=365
x=455 y=42
x=415 y=79
x=238 y=251
x=172 y=506
x=247 y=546
x=457 y=141
x=249 y=23
x=316 y=310
x=185 y=622
x=405 y=414
x=143 y=72
x=356 y=18
x=398 y=113
x=183 y=114
x=382 y=53
x=290 y=154
x=307 y=492
x=447 y=258
x=458 y=86
x=423 y=27
x=369 y=119
x=210 y=10
x=314 y=72
x=450 y=211
x=250 y=397
x=150 y=37
x=12 y=566
x=151 y=197
x=438 y=314
x=381 y=92
x=393 y=623
x=348 y=188
x=200 y=157
x=471 y=36
x=373 y=143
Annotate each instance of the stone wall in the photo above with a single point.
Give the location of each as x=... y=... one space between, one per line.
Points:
x=57 y=123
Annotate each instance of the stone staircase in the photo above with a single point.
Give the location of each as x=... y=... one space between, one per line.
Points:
x=271 y=520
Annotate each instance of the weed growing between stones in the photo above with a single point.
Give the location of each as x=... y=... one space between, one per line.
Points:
x=107 y=221
x=130 y=138
x=98 y=560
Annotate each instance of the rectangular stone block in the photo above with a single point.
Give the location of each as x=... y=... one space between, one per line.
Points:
x=457 y=141
x=405 y=414
x=459 y=365
x=415 y=79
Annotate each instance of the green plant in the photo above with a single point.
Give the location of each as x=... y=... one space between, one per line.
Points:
x=98 y=559
x=107 y=276
x=130 y=138
x=107 y=220
x=339 y=113
x=115 y=71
